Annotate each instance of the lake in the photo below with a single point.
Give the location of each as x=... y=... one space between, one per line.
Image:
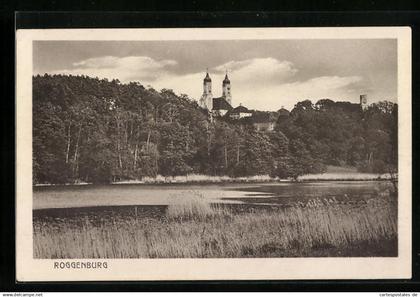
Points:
x=47 y=197
x=307 y=219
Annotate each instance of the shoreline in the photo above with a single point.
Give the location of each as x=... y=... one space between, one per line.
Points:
x=242 y=180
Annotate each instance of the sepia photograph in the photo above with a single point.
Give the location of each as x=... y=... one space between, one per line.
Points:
x=216 y=147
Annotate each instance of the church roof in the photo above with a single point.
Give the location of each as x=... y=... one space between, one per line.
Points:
x=220 y=103
x=226 y=80
x=207 y=78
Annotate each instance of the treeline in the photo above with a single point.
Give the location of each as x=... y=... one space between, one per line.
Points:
x=86 y=129
x=341 y=134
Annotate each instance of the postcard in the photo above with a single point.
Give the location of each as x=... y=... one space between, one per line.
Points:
x=213 y=154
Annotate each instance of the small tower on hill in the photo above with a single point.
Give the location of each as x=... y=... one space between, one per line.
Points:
x=363 y=102
x=206 y=100
x=226 y=89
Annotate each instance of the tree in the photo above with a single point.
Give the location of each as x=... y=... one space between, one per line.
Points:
x=95 y=130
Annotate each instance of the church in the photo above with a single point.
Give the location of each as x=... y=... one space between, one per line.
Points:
x=220 y=106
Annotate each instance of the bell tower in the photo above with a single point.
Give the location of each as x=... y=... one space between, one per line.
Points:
x=226 y=89
x=363 y=102
x=206 y=100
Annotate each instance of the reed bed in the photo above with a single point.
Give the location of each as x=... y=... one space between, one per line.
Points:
x=199 y=178
x=196 y=229
x=192 y=205
x=356 y=176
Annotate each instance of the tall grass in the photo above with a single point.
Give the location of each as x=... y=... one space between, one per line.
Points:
x=193 y=207
x=196 y=229
x=344 y=176
x=198 y=178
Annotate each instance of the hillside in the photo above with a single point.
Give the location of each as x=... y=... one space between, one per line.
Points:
x=86 y=129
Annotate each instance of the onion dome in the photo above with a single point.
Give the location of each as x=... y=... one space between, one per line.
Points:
x=207 y=78
x=226 y=80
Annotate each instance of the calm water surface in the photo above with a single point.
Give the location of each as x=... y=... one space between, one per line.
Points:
x=274 y=193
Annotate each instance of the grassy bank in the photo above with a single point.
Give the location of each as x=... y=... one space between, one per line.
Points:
x=344 y=173
x=332 y=173
x=199 y=178
x=195 y=229
x=186 y=179
x=344 y=176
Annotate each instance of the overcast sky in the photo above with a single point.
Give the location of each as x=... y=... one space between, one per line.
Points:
x=264 y=74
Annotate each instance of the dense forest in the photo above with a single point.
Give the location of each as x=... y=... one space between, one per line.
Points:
x=92 y=130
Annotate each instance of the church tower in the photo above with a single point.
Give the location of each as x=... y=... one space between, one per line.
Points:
x=206 y=100
x=363 y=102
x=226 y=89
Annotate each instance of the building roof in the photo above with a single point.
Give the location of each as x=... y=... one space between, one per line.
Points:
x=207 y=78
x=220 y=103
x=283 y=112
x=241 y=109
x=263 y=117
